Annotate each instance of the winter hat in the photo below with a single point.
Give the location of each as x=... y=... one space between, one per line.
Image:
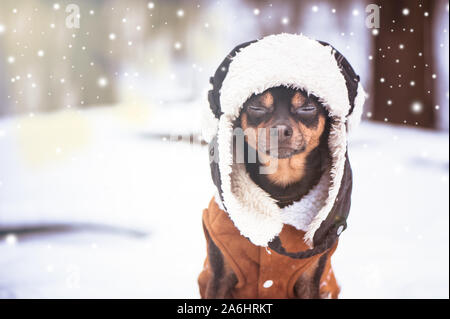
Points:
x=251 y=68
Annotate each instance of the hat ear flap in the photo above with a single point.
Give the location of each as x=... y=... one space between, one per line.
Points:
x=356 y=93
x=219 y=77
x=211 y=114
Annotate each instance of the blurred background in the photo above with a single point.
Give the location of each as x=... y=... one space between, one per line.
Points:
x=98 y=198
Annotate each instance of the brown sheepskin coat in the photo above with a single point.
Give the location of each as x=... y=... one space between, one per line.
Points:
x=260 y=271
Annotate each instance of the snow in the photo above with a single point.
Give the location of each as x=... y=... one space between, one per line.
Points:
x=135 y=202
x=268 y=283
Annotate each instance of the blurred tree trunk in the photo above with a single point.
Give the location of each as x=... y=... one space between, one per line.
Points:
x=403 y=64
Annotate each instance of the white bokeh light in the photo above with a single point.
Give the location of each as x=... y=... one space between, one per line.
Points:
x=416 y=107
x=11 y=239
x=102 y=82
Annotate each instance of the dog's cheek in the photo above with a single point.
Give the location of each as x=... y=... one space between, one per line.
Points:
x=297 y=140
x=244 y=121
x=318 y=131
x=311 y=135
x=249 y=132
x=251 y=137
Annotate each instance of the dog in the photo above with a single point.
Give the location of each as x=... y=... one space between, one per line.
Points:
x=302 y=125
x=280 y=111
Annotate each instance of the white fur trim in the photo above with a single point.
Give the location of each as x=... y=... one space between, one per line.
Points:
x=294 y=61
x=354 y=119
x=301 y=213
x=209 y=123
x=285 y=59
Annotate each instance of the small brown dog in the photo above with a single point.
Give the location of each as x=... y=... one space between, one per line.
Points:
x=280 y=110
x=302 y=125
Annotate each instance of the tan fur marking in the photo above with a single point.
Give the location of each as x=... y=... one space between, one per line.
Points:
x=298 y=100
x=267 y=100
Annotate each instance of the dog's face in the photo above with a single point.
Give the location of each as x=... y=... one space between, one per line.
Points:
x=298 y=120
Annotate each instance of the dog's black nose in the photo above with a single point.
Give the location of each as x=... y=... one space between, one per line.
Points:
x=284 y=132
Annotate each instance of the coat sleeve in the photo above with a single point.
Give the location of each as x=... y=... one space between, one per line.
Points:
x=217 y=278
x=205 y=276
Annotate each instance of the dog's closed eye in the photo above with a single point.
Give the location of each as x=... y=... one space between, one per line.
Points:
x=257 y=111
x=306 y=109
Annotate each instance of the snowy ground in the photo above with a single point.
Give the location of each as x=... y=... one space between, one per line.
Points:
x=135 y=204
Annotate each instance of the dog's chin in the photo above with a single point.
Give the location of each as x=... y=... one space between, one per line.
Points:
x=285 y=152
